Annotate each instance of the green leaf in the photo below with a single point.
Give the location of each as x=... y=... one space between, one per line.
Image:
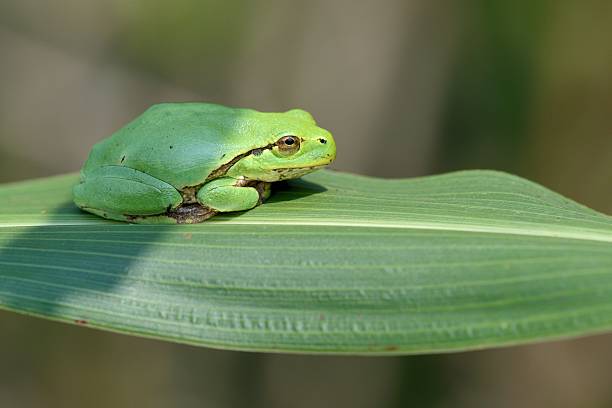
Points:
x=333 y=263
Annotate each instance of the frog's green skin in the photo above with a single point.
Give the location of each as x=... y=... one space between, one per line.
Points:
x=184 y=162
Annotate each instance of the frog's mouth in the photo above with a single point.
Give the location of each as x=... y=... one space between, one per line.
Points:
x=295 y=172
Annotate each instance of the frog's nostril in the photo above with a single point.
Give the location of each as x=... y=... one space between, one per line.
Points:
x=322 y=140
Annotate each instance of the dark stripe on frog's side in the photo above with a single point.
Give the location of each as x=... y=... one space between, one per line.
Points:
x=224 y=168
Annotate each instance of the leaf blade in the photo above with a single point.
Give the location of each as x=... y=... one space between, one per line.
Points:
x=334 y=264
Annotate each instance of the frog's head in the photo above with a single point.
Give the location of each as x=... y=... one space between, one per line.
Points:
x=295 y=146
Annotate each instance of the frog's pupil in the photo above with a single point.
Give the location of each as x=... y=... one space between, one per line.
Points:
x=289 y=141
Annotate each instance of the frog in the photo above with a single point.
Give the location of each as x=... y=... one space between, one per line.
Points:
x=186 y=162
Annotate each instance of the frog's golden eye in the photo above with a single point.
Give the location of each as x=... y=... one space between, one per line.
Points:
x=288 y=145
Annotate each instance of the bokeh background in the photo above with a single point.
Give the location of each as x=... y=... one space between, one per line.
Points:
x=408 y=87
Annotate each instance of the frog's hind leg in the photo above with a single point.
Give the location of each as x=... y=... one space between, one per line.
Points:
x=124 y=194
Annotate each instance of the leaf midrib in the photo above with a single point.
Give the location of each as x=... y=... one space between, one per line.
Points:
x=572 y=233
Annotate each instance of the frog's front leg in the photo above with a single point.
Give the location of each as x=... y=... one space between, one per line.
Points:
x=122 y=193
x=228 y=194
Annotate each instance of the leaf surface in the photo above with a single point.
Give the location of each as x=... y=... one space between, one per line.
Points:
x=333 y=263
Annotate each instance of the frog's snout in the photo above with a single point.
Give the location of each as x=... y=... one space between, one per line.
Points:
x=329 y=148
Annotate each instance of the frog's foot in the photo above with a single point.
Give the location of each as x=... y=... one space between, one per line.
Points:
x=124 y=194
x=227 y=194
x=264 y=189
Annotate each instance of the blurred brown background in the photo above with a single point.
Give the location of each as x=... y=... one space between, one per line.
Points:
x=408 y=88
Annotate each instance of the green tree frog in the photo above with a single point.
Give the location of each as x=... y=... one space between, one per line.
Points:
x=185 y=162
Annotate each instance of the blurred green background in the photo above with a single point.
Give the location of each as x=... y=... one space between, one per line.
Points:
x=408 y=88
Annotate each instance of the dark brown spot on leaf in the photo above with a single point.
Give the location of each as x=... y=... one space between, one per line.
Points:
x=191 y=214
x=185 y=214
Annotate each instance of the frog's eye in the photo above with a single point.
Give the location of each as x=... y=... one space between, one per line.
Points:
x=288 y=145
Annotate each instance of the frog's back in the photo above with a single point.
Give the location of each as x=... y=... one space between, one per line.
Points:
x=179 y=143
